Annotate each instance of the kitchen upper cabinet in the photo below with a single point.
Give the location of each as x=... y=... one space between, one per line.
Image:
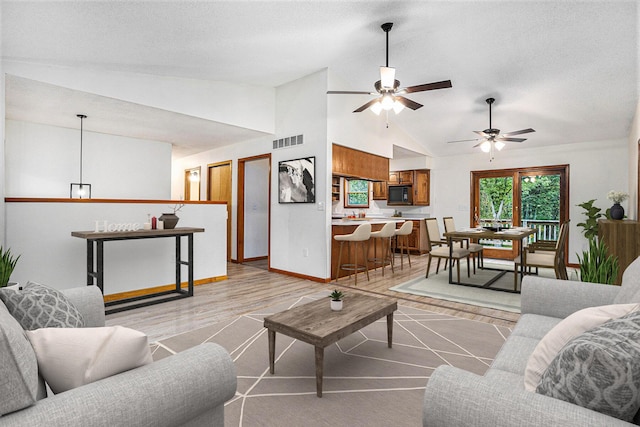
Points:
x=401 y=177
x=421 y=187
x=352 y=163
x=380 y=190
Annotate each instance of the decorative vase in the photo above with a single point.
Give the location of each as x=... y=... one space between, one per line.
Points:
x=336 y=305
x=169 y=220
x=616 y=211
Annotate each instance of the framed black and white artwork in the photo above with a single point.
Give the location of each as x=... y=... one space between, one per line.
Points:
x=296 y=181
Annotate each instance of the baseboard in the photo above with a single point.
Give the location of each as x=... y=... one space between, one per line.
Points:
x=300 y=276
x=163 y=288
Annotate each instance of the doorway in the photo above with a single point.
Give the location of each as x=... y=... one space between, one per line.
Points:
x=536 y=197
x=219 y=189
x=254 y=209
x=192 y=184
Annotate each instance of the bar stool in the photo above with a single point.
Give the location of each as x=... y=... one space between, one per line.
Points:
x=386 y=233
x=402 y=240
x=360 y=235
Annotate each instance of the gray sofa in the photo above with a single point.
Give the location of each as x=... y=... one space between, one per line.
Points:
x=189 y=388
x=455 y=397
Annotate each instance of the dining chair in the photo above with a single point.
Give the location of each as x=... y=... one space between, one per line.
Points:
x=476 y=249
x=542 y=255
x=439 y=248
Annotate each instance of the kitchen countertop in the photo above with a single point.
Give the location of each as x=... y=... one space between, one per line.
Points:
x=358 y=221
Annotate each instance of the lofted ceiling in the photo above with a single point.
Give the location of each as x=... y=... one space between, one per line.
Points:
x=567 y=69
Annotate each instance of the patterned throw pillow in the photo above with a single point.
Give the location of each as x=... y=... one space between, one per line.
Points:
x=39 y=306
x=600 y=369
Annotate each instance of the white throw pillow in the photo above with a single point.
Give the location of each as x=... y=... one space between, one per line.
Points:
x=71 y=357
x=569 y=328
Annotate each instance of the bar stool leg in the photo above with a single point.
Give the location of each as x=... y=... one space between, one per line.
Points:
x=366 y=264
x=339 y=262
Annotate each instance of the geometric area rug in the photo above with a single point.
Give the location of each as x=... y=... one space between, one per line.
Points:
x=365 y=382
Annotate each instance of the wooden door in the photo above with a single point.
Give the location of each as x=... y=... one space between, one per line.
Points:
x=421 y=188
x=219 y=185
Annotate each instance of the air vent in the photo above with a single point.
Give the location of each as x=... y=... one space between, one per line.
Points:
x=287 y=142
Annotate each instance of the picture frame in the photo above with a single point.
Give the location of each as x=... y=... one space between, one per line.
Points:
x=296 y=180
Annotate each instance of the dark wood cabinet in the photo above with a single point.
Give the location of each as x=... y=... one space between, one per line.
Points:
x=421 y=187
x=380 y=190
x=622 y=239
x=351 y=163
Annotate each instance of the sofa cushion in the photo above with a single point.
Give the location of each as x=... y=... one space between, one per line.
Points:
x=630 y=285
x=534 y=325
x=599 y=369
x=514 y=354
x=18 y=366
x=566 y=330
x=39 y=306
x=71 y=357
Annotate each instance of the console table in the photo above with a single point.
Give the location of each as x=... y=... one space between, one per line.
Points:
x=95 y=270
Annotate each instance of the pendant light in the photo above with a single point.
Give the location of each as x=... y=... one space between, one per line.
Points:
x=80 y=190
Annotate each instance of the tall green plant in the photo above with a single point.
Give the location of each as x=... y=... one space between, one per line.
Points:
x=596 y=266
x=590 y=225
x=7 y=264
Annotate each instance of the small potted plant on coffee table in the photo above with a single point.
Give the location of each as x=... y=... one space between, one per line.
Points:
x=336 y=300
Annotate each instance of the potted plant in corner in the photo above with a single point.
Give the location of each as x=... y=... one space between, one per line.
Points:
x=336 y=300
x=7 y=264
x=595 y=265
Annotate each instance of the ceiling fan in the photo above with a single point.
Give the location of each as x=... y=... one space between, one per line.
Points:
x=492 y=138
x=388 y=88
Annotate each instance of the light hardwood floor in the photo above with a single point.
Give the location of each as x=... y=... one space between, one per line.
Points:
x=249 y=289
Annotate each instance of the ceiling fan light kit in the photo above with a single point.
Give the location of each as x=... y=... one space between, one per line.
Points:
x=492 y=139
x=388 y=88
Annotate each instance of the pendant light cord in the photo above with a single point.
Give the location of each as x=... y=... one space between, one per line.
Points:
x=82 y=117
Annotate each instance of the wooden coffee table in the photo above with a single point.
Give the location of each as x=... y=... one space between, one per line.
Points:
x=315 y=324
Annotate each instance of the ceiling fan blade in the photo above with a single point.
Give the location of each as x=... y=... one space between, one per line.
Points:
x=482 y=141
x=429 y=86
x=348 y=92
x=408 y=103
x=500 y=138
x=365 y=106
x=461 y=140
x=517 y=132
x=387 y=77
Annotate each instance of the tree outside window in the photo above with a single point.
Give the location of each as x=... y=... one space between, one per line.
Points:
x=357 y=193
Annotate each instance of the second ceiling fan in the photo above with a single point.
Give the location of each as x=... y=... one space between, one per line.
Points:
x=389 y=88
x=492 y=138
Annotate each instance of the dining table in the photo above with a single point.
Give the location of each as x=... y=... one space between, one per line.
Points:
x=512 y=233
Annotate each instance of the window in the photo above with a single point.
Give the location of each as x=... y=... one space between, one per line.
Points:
x=357 y=193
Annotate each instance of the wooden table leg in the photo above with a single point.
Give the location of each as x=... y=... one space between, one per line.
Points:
x=272 y=351
x=389 y=329
x=319 y=369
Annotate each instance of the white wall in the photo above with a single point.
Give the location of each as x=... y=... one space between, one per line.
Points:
x=42 y=161
x=256 y=208
x=41 y=234
x=301 y=108
x=634 y=139
x=595 y=168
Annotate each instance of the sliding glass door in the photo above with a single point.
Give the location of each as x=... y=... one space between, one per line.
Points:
x=534 y=197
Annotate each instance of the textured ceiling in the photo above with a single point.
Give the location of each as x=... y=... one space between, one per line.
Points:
x=567 y=69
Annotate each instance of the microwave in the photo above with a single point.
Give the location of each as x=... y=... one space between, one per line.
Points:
x=400 y=195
